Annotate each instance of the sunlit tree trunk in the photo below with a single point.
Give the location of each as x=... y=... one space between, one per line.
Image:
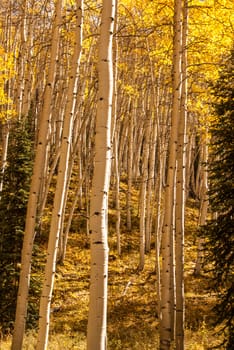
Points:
x=38 y=168
x=143 y=189
x=150 y=182
x=167 y=278
x=61 y=189
x=180 y=192
x=117 y=199
x=130 y=172
x=5 y=138
x=21 y=58
x=115 y=132
x=97 y=338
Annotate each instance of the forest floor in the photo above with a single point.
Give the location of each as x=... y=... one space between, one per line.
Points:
x=132 y=302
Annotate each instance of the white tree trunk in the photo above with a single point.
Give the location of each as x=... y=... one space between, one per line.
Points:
x=130 y=173
x=181 y=192
x=150 y=183
x=96 y=338
x=143 y=190
x=5 y=138
x=61 y=188
x=21 y=59
x=167 y=278
x=117 y=199
x=115 y=133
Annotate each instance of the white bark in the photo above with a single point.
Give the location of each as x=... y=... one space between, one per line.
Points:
x=5 y=137
x=115 y=132
x=117 y=199
x=143 y=190
x=21 y=59
x=167 y=278
x=97 y=319
x=181 y=193
x=150 y=182
x=130 y=173
x=61 y=188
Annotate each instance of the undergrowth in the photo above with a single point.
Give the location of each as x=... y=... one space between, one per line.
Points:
x=132 y=304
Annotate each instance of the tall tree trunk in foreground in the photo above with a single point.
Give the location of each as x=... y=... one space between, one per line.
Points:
x=97 y=338
x=167 y=289
x=61 y=188
x=180 y=192
x=22 y=298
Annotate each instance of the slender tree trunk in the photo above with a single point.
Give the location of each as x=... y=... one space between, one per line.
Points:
x=21 y=59
x=115 y=132
x=143 y=190
x=61 y=188
x=150 y=184
x=22 y=298
x=117 y=199
x=167 y=290
x=130 y=166
x=181 y=191
x=5 y=137
x=97 y=338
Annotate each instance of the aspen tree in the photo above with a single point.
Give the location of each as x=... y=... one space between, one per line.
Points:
x=96 y=337
x=180 y=191
x=21 y=58
x=115 y=131
x=143 y=190
x=138 y=141
x=150 y=183
x=117 y=200
x=167 y=273
x=158 y=190
x=130 y=170
x=38 y=168
x=61 y=188
x=5 y=137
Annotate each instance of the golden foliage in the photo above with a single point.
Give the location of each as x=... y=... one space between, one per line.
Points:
x=6 y=73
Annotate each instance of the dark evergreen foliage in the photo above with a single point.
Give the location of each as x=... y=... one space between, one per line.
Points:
x=219 y=230
x=13 y=203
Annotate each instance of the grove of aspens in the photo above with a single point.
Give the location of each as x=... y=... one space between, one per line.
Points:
x=116 y=174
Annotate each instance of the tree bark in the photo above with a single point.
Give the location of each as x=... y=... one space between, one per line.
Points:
x=5 y=138
x=181 y=191
x=130 y=172
x=143 y=189
x=61 y=188
x=97 y=319
x=167 y=278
